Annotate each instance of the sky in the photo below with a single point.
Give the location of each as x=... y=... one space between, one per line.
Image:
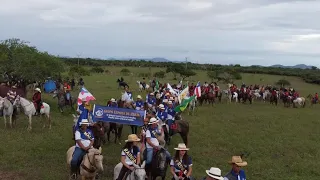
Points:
x=246 y=32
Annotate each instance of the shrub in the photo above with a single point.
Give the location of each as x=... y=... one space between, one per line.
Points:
x=97 y=70
x=283 y=82
x=160 y=74
x=125 y=72
x=78 y=71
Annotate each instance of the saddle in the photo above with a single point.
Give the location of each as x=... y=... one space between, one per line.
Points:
x=174 y=126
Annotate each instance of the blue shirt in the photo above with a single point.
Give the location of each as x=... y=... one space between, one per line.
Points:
x=171 y=111
x=162 y=115
x=139 y=103
x=241 y=175
x=152 y=100
x=156 y=130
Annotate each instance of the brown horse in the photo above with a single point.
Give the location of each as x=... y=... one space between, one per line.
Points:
x=179 y=127
x=114 y=128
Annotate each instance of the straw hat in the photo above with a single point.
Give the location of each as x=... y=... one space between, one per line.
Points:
x=113 y=100
x=84 y=121
x=181 y=147
x=215 y=173
x=238 y=161
x=37 y=89
x=132 y=138
x=153 y=121
x=139 y=97
x=167 y=94
x=161 y=106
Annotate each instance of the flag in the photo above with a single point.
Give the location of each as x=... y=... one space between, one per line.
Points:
x=171 y=89
x=197 y=90
x=183 y=94
x=183 y=105
x=84 y=93
x=156 y=88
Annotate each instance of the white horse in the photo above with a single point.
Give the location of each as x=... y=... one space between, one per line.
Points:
x=91 y=161
x=141 y=87
x=139 y=172
x=301 y=101
x=7 y=107
x=234 y=97
x=30 y=110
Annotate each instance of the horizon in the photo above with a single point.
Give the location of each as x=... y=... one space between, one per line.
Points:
x=259 y=32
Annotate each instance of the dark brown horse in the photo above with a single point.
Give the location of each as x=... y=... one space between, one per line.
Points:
x=98 y=131
x=274 y=99
x=114 y=128
x=179 y=127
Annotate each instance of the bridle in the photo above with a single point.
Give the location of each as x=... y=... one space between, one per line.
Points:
x=93 y=167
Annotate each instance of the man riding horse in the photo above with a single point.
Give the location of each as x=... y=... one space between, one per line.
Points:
x=36 y=99
x=67 y=89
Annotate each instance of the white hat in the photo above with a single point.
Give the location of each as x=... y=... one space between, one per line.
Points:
x=84 y=121
x=113 y=100
x=84 y=99
x=153 y=121
x=151 y=94
x=214 y=173
x=161 y=106
x=165 y=100
x=171 y=98
x=37 y=89
x=139 y=97
x=181 y=147
x=169 y=102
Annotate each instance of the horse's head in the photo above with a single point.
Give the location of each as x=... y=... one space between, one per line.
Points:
x=17 y=101
x=96 y=158
x=162 y=160
x=139 y=172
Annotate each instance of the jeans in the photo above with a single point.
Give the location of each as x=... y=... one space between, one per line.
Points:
x=68 y=96
x=150 y=155
x=76 y=159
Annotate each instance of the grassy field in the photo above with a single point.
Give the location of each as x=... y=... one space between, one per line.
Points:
x=279 y=143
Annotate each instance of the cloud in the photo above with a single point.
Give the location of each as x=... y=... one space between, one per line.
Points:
x=233 y=31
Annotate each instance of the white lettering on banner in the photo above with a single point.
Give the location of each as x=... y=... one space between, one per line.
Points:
x=122 y=118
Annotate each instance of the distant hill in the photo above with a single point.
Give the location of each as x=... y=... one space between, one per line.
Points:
x=159 y=59
x=298 y=66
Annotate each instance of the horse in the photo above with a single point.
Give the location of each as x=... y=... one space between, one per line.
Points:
x=192 y=105
x=122 y=84
x=62 y=102
x=158 y=166
x=179 y=126
x=8 y=110
x=129 y=105
x=312 y=99
x=274 y=99
x=138 y=173
x=91 y=163
x=232 y=96
x=30 y=110
x=299 y=100
x=287 y=100
x=247 y=96
x=141 y=86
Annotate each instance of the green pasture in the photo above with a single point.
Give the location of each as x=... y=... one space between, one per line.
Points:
x=279 y=143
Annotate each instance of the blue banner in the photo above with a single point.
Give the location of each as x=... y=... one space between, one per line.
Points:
x=118 y=115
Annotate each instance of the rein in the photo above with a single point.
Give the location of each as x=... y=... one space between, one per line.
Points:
x=92 y=168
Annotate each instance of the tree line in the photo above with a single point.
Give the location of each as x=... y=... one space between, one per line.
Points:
x=20 y=60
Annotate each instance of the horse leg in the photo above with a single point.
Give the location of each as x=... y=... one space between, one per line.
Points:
x=5 y=121
x=49 y=120
x=30 y=123
x=10 y=120
x=184 y=138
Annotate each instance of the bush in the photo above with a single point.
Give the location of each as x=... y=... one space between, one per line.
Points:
x=147 y=74
x=106 y=71
x=160 y=74
x=78 y=71
x=97 y=70
x=283 y=82
x=125 y=72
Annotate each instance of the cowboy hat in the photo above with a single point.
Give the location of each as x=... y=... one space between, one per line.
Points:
x=84 y=99
x=167 y=94
x=161 y=106
x=153 y=121
x=139 y=97
x=181 y=147
x=169 y=102
x=132 y=138
x=238 y=161
x=84 y=121
x=214 y=173
x=165 y=100
x=151 y=94
x=171 y=98
x=113 y=100
x=37 y=89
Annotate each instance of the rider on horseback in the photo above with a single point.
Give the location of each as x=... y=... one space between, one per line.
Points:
x=37 y=100
x=181 y=164
x=112 y=103
x=139 y=103
x=152 y=141
x=130 y=155
x=84 y=141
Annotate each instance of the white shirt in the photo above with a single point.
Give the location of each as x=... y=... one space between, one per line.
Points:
x=127 y=160
x=154 y=141
x=85 y=143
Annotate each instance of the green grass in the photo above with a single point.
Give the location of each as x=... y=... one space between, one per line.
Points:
x=279 y=143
